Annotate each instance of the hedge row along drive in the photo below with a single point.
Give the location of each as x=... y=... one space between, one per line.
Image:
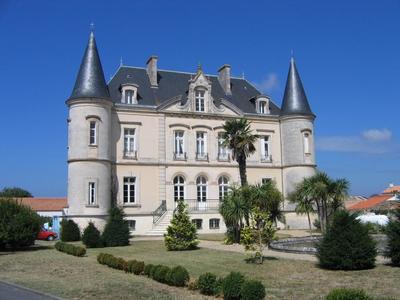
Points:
x=70 y=249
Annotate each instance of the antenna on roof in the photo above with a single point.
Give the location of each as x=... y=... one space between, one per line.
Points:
x=120 y=62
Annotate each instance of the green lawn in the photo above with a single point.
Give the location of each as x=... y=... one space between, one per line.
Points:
x=83 y=278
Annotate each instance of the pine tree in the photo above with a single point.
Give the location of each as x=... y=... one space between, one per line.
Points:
x=116 y=232
x=181 y=234
x=91 y=236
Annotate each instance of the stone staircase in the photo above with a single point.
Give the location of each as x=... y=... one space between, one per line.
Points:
x=162 y=224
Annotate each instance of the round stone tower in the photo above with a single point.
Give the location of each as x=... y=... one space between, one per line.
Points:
x=297 y=131
x=89 y=132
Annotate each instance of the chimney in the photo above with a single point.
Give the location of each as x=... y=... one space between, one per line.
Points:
x=224 y=78
x=152 y=70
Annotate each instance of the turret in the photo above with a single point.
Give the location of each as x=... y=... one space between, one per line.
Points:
x=89 y=129
x=297 y=130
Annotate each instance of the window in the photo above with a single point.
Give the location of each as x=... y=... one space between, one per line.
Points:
x=266 y=180
x=132 y=225
x=129 y=190
x=129 y=142
x=92 y=133
x=199 y=99
x=223 y=185
x=198 y=223
x=179 y=145
x=201 y=145
x=92 y=193
x=263 y=109
x=214 y=223
x=201 y=183
x=222 y=149
x=265 y=148
x=179 y=188
x=307 y=143
x=129 y=96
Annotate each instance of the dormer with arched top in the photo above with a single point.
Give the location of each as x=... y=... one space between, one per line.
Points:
x=199 y=93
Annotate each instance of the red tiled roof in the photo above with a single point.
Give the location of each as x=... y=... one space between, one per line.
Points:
x=392 y=189
x=370 y=202
x=44 y=204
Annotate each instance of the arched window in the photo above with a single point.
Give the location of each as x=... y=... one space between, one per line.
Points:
x=201 y=183
x=179 y=188
x=223 y=184
x=307 y=143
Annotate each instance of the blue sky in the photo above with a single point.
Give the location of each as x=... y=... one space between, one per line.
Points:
x=347 y=53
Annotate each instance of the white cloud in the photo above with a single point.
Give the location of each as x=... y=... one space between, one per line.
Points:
x=377 y=135
x=269 y=83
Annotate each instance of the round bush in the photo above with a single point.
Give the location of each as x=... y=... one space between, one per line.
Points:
x=346 y=245
x=207 y=284
x=252 y=290
x=138 y=267
x=348 y=294
x=153 y=271
x=147 y=269
x=393 y=247
x=178 y=276
x=91 y=237
x=231 y=285
x=160 y=274
x=19 y=225
x=69 y=231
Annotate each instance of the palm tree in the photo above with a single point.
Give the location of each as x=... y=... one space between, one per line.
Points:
x=239 y=139
x=322 y=191
x=268 y=199
x=234 y=209
x=304 y=204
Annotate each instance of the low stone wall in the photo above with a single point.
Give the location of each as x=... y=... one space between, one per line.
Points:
x=291 y=245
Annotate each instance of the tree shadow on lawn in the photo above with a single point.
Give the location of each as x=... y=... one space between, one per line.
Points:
x=256 y=260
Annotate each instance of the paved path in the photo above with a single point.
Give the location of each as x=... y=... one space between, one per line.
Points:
x=9 y=291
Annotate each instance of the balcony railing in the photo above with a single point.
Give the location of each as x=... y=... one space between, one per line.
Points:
x=130 y=154
x=266 y=158
x=201 y=156
x=199 y=206
x=180 y=156
x=224 y=157
x=160 y=211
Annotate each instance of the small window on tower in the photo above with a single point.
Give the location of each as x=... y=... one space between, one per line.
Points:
x=92 y=133
x=307 y=143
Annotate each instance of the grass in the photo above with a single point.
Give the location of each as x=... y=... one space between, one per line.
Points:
x=83 y=278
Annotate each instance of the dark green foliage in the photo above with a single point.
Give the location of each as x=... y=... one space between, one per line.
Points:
x=393 y=235
x=135 y=267
x=69 y=231
x=70 y=249
x=19 y=225
x=112 y=261
x=348 y=294
x=207 y=284
x=375 y=228
x=181 y=234
x=91 y=237
x=252 y=290
x=160 y=274
x=178 y=276
x=116 y=232
x=147 y=269
x=232 y=285
x=346 y=245
x=153 y=270
x=14 y=192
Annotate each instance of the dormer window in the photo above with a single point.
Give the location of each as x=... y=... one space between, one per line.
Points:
x=129 y=96
x=200 y=100
x=262 y=105
x=129 y=93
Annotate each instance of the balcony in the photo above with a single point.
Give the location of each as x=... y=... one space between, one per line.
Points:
x=209 y=205
x=266 y=158
x=224 y=157
x=180 y=156
x=202 y=156
x=130 y=154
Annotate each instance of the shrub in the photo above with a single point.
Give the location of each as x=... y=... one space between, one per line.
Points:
x=160 y=274
x=116 y=232
x=69 y=231
x=147 y=269
x=135 y=267
x=19 y=225
x=346 y=245
x=232 y=285
x=348 y=294
x=153 y=270
x=178 y=276
x=207 y=284
x=393 y=235
x=181 y=234
x=252 y=290
x=70 y=249
x=112 y=261
x=91 y=237
x=193 y=284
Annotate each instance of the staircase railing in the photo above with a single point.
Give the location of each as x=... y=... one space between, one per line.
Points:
x=160 y=211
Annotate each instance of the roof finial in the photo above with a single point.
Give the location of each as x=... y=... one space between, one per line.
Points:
x=292 y=54
x=199 y=68
x=243 y=75
x=91 y=26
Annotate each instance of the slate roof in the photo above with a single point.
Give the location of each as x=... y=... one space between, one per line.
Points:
x=173 y=83
x=295 y=100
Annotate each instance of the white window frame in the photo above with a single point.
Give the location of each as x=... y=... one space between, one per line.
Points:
x=128 y=186
x=200 y=100
x=223 y=187
x=195 y=222
x=129 y=142
x=262 y=106
x=132 y=228
x=265 y=140
x=92 y=194
x=179 y=144
x=201 y=189
x=223 y=151
x=201 y=145
x=264 y=180
x=130 y=96
x=179 y=188
x=93 y=133
x=212 y=223
x=306 y=143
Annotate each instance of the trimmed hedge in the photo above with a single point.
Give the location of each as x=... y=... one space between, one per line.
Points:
x=352 y=294
x=232 y=285
x=69 y=231
x=70 y=249
x=135 y=267
x=252 y=290
x=160 y=273
x=112 y=261
x=178 y=276
x=207 y=284
x=147 y=269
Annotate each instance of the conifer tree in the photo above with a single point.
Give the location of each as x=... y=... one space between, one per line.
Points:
x=181 y=234
x=91 y=236
x=116 y=232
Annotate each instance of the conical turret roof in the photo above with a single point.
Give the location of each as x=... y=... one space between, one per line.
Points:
x=90 y=82
x=295 y=100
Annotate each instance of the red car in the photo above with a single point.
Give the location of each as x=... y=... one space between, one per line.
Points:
x=47 y=235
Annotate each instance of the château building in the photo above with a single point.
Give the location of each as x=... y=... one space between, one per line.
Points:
x=149 y=137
